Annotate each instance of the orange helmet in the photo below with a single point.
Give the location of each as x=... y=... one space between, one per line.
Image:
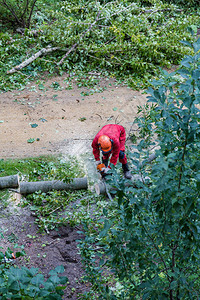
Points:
x=104 y=143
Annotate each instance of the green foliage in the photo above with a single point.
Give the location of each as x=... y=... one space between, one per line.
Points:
x=128 y=40
x=189 y=3
x=17 y=12
x=26 y=166
x=150 y=239
x=41 y=168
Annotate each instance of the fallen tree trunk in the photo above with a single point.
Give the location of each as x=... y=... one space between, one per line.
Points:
x=11 y=181
x=46 y=186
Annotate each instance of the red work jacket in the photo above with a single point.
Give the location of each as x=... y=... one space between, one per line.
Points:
x=117 y=134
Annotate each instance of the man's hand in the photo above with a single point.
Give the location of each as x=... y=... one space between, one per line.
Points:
x=98 y=162
x=104 y=172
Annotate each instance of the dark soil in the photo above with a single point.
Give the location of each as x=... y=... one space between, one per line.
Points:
x=44 y=251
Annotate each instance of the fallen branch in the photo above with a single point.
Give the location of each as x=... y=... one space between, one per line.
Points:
x=76 y=44
x=32 y=58
x=11 y=181
x=46 y=186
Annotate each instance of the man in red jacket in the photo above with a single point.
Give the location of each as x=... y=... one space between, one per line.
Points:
x=110 y=140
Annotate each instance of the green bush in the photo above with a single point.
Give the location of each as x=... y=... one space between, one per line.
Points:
x=24 y=283
x=151 y=239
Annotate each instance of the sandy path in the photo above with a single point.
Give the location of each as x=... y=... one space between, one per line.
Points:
x=66 y=121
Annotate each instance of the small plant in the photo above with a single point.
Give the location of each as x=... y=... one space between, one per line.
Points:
x=55 y=85
x=24 y=283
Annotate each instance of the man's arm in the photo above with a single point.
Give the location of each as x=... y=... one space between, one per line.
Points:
x=115 y=153
x=122 y=138
x=95 y=148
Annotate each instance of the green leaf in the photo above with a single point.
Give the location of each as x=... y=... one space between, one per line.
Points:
x=82 y=119
x=38 y=279
x=32 y=271
x=34 y=125
x=31 y=140
x=53 y=272
x=14 y=286
x=186 y=43
x=60 y=269
x=107 y=226
x=196 y=45
x=186 y=62
x=55 y=279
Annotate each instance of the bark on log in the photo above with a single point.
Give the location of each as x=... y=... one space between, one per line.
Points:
x=46 y=186
x=31 y=59
x=11 y=181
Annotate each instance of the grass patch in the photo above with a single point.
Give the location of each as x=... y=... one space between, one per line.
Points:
x=41 y=168
x=23 y=166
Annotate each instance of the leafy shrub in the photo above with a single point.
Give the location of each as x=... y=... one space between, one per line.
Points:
x=151 y=240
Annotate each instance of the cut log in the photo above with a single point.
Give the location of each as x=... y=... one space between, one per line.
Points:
x=100 y=188
x=46 y=186
x=11 y=181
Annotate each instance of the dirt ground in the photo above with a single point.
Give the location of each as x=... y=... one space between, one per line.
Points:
x=45 y=119
x=64 y=118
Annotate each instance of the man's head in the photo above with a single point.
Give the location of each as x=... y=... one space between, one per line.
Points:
x=105 y=144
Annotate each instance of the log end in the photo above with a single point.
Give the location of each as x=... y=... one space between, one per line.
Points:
x=11 y=181
x=97 y=189
x=100 y=188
